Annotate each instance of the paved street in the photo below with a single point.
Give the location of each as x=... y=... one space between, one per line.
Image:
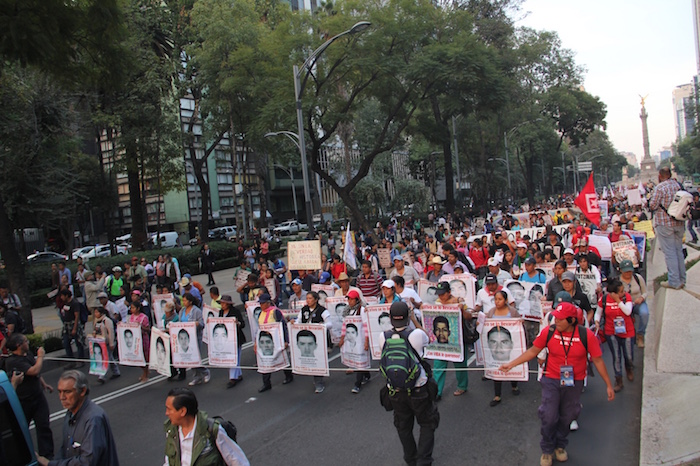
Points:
x=292 y=425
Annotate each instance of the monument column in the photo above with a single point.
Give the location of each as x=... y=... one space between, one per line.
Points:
x=647 y=165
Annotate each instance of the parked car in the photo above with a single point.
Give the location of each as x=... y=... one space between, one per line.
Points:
x=77 y=252
x=222 y=233
x=46 y=256
x=16 y=447
x=103 y=250
x=287 y=228
x=166 y=239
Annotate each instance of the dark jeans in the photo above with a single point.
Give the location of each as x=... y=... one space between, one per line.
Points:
x=621 y=349
x=360 y=376
x=266 y=377
x=498 y=385
x=78 y=337
x=560 y=405
x=37 y=409
x=422 y=408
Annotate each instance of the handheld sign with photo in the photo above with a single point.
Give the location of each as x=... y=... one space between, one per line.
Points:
x=160 y=352
x=223 y=341
x=640 y=240
x=528 y=298
x=269 y=342
x=208 y=312
x=99 y=359
x=503 y=340
x=336 y=307
x=158 y=302
x=443 y=323
x=384 y=255
x=378 y=321
x=242 y=278
x=462 y=286
x=427 y=291
x=309 y=349
x=353 y=353
x=130 y=344
x=324 y=292
x=183 y=344
x=589 y=285
x=289 y=313
x=271 y=289
x=253 y=310
x=304 y=255
x=625 y=249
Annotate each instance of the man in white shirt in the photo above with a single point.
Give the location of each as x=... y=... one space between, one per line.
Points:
x=485 y=296
x=409 y=274
x=187 y=426
x=495 y=269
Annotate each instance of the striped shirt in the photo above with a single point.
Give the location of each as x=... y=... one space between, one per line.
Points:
x=369 y=286
x=660 y=199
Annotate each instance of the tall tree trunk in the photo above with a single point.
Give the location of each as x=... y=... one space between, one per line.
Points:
x=138 y=230
x=204 y=192
x=358 y=217
x=14 y=268
x=444 y=138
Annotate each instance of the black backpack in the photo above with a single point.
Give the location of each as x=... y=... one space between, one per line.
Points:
x=400 y=362
x=84 y=313
x=20 y=326
x=228 y=426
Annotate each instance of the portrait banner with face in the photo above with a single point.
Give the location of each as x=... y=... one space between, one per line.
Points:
x=589 y=285
x=304 y=255
x=547 y=268
x=528 y=298
x=378 y=322
x=159 y=301
x=502 y=341
x=130 y=345
x=444 y=326
x=270 y=285
x=253 y=310
x=603 y=206
x=625 y=249
x=208 y=312
x=270 y=353
x=183 y=344
x=324 y=292
x=160 y=352
x=462 y=286
x=640 y=240
x=337 y=307
x=309 y=349
x=99 y=359
x=353 y=353
x=427 y=291
x=384 y=255
x=223 y=341
x=242 y=278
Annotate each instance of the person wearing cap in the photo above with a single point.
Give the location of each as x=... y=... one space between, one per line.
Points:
x=389 y=292
x=190 y=312
x=562 y=382
x=416 y=406
x=110 y=307
x=138 y=269
x=554 y=285
x=355 y=308
x=531 y=273
x=484 y=297
x=314 y=313
x=251 y=289
x=495 y=269
x=409 y=274
x=227 y=309
x=270 y=313
x=343 y=282
x=195 y=284
x=615 y=310
x=569 y=258
x=521 y=255
x=93 y=288
x=435 y=271
x=298 y=295
x=578 y=297
x=445 y=297
x=637 y=288
x=186 y=287
x=368 y=282
x=583 y=247
x=113 y=283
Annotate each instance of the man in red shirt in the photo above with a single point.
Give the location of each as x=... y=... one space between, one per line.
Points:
x=480 y=256
x=562 y=382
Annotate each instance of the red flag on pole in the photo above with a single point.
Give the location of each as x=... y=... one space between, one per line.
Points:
x=587 y=201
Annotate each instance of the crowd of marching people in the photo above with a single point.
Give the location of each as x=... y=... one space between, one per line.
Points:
x=547 y=245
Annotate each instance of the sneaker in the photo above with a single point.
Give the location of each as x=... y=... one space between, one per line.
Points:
x=366 y=378
x=561 y=455
x=115 y=376
x=231 y=383
x=546 y=459
x=264 y=388
x=195 y=381
x=574 y=425
x=355 y=390
x=207 y=378
x=320 y=388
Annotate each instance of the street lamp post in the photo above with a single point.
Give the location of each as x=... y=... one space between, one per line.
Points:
x=290 y=172
x=505 y=142
x=298 y=92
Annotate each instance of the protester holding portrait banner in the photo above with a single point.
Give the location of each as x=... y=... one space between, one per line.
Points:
x=310 y=351
x=158 y=306
x=223 y=341
x=184 y=346
x=208 y=312
x=130 y=346
x=267 y=339
x=354 y=341
x=160 y=352
x=190 y=314
x=99 y=363
x=462 y=286
x=378 y=321
x=337 y=308
x=444 y=325
x=228 y=310
x=104 y=328
x=312 y=313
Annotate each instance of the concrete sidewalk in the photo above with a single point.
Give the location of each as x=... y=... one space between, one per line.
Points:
x=670 y=413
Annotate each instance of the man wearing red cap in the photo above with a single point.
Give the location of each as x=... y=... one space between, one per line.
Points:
x=562 y=382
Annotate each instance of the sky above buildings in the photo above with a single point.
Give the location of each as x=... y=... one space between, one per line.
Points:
x=628 y=48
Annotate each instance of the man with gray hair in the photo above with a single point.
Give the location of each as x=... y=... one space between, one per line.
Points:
x=87 y=435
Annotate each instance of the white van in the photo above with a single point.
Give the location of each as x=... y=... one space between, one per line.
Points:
x=167 y=239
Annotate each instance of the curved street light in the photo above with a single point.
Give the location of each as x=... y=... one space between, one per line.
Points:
x=298 y=92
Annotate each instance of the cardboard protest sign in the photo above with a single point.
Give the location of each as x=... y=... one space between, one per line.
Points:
x=183 y=344
x=304 y=255
x=502 y=340
x=625 y=249
x=223 y=341
x=309 y=349
x=130 y=344
x=160 y=352
x=99 y=356
x=443 y=324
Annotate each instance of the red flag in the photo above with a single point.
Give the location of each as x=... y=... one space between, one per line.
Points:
x=587 y=201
